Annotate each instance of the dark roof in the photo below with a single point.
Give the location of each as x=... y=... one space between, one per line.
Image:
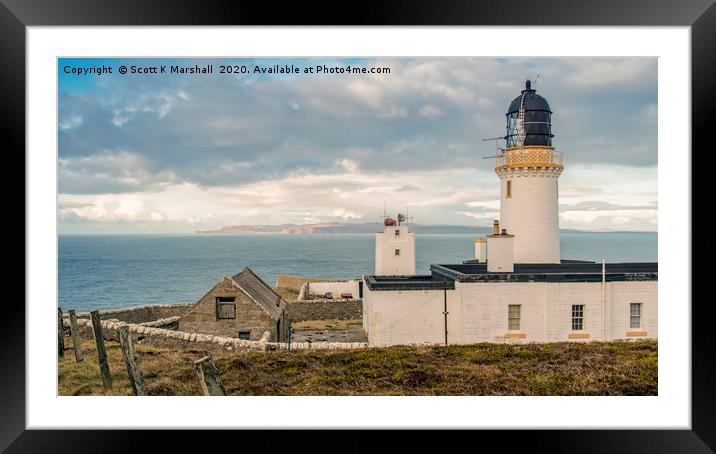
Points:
x=423 y=282
x=444 y=276
x=260 y=292
x=537 y=120
x=533 y=102
x=567 y=271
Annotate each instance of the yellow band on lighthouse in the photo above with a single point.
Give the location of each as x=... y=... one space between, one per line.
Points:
x=530 y=156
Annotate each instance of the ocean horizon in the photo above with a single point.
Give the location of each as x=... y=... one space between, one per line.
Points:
x=106 y=271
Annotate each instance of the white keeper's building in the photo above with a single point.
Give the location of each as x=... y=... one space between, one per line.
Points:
x=517 y=288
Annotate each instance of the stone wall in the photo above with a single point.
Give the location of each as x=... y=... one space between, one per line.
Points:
x=295 y=282
x=139 y=314
x=202 y=342
x=168 y=323
x=324 y=309
x=318 y=290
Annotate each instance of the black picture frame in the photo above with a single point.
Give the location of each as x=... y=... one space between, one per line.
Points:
x=16 y=15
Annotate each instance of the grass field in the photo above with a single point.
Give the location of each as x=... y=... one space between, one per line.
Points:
x=597 y=368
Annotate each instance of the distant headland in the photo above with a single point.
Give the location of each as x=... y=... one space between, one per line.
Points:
x=337 y=227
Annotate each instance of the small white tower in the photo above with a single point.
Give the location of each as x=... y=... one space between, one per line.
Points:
x=481 y=250
x=501 y=251
x=395 y=249
x=528 y=170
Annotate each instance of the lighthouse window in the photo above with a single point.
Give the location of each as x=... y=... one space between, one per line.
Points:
x=577 y=317
x=635 y=315
x=397 y=233
x=509 y=189
x=513 y=317
x=397 y=252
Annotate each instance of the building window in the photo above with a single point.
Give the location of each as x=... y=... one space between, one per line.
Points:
x=225 y=308
x=577 y=317
x=509 y=189
x=245 y=335
x=513 y=317
x=397 y=233
x=635 y=315
x=397 y=252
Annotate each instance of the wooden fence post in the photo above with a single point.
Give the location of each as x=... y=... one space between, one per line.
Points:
x=136 y=379
x=75 y=336
x=209 y=379
x=101 y=352
x=60 y=334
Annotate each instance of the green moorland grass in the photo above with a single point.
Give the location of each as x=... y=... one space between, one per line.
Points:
x=595 y=368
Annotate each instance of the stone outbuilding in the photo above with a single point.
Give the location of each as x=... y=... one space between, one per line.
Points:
x=241 y=306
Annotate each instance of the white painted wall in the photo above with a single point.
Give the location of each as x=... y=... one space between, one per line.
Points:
x=623 y=293
x=335 y=287
x=365 y=310
x=561 y=297
x=386 y=242
x=501 y=256
x=531 y=213
x=484 y=310
x=406 y=317
x=479 y=312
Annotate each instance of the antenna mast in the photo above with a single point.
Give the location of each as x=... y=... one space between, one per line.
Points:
x=405 y=218
x=385 y=211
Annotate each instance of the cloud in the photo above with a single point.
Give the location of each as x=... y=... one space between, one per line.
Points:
x=602 y=206
x=346 y=214
x=160 y=104
x=610 y=220
x=466 y=196
x=429 y=111
x=349 y=164
x=408 y=137
x=483 y=217
x=110 y=172
x=70 y=122
x=347 y=196
x=610 y=72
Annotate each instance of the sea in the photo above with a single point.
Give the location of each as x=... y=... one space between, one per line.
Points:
x=112 y=271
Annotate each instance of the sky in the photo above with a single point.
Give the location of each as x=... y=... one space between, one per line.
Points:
x=175 y=153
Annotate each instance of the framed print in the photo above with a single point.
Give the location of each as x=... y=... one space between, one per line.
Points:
x=425 y=217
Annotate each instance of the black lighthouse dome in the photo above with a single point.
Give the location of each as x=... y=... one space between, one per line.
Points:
x=529 y=120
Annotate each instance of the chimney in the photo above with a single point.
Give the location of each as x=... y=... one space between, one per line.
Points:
x=495 y=227
x=481 y=250
x=500 y=253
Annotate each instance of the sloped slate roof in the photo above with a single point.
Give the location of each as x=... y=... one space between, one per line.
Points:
x=260 y=292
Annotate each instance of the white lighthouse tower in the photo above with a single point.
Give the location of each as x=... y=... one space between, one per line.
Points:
x=528 y=170
x=395 y=248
